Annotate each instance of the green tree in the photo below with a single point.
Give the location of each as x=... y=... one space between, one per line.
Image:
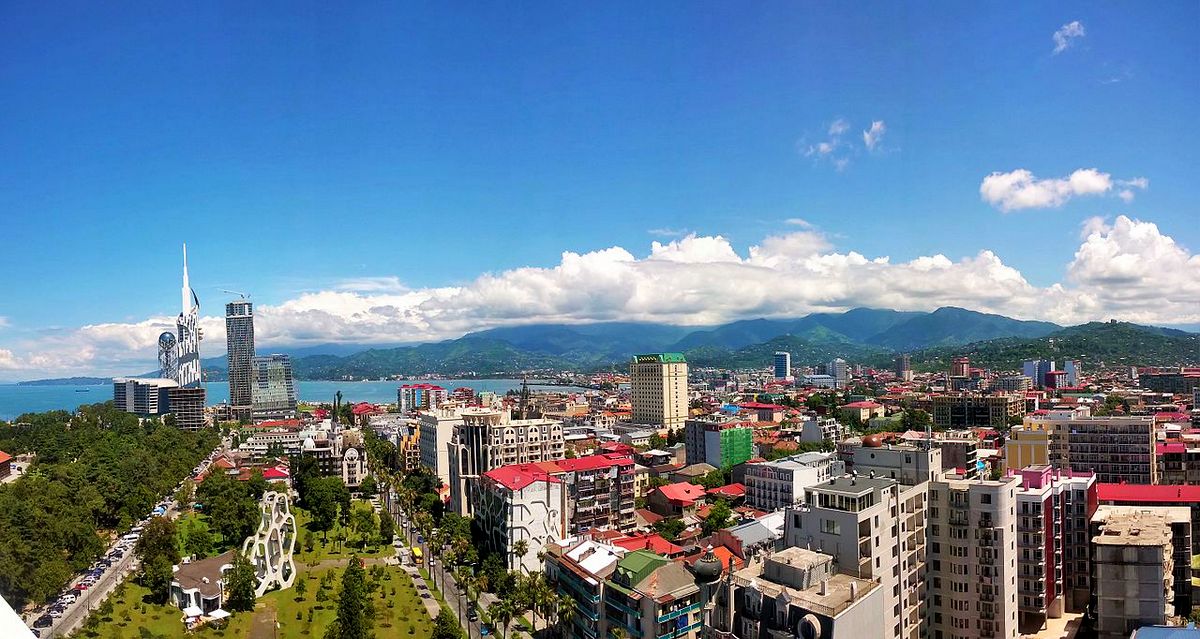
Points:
x=199 y=542
x=503 y=611
x=159 y=552
x=519 y=548
x=322 y=503
x=242 y=583
x=353 y=619
x=157 y=573
x=719 y=516
x=670 y=528
x=363 y=523
x=446 y=626
x=387 y=529
x=368 y=486
x=301 y=588
x=713 y=479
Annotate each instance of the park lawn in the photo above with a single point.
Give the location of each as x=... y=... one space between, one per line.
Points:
x=329 y=549
x=404 y=619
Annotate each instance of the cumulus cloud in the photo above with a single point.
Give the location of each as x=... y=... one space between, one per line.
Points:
x=1066 y=36
x=1021 y=189
x=1124 y=268
x=873 y=136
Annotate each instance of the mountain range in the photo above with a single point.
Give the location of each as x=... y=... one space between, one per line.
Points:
x=869 y=336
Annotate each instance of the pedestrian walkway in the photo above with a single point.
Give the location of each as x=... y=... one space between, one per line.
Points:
x=431 y=604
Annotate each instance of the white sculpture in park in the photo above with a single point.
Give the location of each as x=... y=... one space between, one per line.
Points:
x=270 y=548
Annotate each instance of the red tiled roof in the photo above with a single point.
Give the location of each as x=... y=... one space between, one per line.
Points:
x=519 y=476
x=682 y=492
x=862 y=405
x=278 y=423
x=648 y=515
x=423 y=386
x=731 y=490
x=652 y=542
x=275 y=473
x=1147 y=494
x=223 y=463
x=594 y=462
x=4 y=457
x=365 y=408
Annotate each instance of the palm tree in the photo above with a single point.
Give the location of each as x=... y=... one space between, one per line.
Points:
x=502 y=612
x=546 y=599
x=566 y=613
x=519 y=548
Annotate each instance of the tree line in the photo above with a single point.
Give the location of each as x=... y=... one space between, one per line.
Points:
x=95 y=472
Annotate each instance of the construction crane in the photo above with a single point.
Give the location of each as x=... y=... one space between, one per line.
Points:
x=240 y=294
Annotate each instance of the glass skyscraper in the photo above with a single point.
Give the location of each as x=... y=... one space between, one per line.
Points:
x=273 y=390
x=239 y=340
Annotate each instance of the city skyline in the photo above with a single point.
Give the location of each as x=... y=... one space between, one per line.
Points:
x=775 y=164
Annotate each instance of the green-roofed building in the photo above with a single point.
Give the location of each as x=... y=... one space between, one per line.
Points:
x=658 y=389
x=648 y=595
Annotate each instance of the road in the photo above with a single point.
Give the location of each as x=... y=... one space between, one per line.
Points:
x=443 y=581
x=95 y=595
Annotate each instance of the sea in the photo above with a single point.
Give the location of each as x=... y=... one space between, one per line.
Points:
x=17 y=400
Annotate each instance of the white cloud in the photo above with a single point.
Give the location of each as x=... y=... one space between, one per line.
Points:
x=874 y=135
x=4 y=322
x=1124 y=268
x=1135 y=272
x=798 y=221
x=1066 y=36
x=1126 y=195
x=838 y=127
x=1020 y=189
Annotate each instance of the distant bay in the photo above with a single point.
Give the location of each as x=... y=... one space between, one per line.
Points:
x=16 y=400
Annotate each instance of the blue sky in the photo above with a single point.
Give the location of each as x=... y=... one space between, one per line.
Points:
x=297 y=147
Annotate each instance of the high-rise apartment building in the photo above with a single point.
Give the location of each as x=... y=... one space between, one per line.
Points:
x=239 y=357
x=903 y=368
x=1136 y=568
x=1074 y=370
x=874 y=528
x=414 y=397
x=272 y=389
x=1036 y=369
x=436 y=430
x=1012 y=384
x=1054 y=514
x=783 y=365
x=972 y=558
x=520 y=503
x=720 y=442
x=968 y=410
x=144 y=397
x=960 y=367
x=187 y=407
x=1117 y=449
x=658 y=389
x=488 y=438
x=839 y=370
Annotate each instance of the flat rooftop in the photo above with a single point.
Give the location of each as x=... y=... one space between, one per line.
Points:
x=852 y=486
x=1132 y=526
